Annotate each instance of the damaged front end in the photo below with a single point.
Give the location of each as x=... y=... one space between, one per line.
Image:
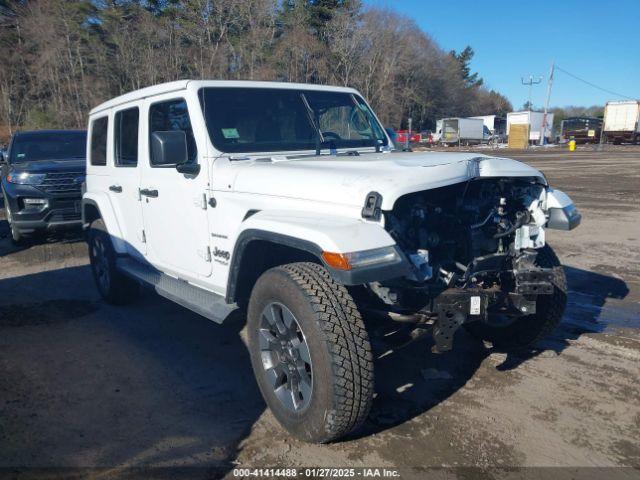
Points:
x=472 y=249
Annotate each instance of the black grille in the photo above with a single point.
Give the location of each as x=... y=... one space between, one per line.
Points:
x=64 y=216
x=64 y=183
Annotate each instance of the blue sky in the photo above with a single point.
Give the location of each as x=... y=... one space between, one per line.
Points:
x=597 y=40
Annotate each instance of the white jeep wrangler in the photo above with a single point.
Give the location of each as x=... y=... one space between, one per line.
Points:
x=287 y=200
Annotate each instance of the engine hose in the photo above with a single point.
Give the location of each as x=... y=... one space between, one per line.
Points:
x=521 y=219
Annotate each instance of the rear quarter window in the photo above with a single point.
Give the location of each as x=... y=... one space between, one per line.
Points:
x=98 y=153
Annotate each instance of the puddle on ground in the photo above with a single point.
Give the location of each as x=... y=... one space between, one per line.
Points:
x=585 y=311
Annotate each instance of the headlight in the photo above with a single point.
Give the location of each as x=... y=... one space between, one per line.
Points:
x=26 y=178
x=365 y=258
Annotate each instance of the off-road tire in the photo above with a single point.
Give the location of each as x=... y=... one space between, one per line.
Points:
x=528 y=330
x=339 y=348
x=118 y=289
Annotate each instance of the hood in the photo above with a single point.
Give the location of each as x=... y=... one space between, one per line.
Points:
x=50 y=166
x=347 y=180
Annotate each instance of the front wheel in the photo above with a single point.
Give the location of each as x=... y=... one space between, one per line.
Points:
x=310 y=352
x=525 y=331
x=16 y=235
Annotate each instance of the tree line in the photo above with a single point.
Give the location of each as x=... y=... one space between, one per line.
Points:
x=63 y=57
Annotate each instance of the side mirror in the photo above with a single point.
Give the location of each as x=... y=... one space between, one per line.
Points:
x=2 y=157
x=169 y=149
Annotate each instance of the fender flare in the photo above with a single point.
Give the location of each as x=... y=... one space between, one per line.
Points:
x=249 y=235
x=108 y=217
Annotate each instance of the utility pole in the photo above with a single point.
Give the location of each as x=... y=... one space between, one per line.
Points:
x=531 y=82
x=546 y=105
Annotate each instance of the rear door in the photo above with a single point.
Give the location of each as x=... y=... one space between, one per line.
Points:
x=125 y=180
x=174 y=204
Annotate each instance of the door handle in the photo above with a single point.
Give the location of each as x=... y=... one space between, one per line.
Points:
x=116 y=188
x=148 y=192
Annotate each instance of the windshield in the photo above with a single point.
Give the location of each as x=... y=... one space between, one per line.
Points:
x=48 y=146
x=243 y=120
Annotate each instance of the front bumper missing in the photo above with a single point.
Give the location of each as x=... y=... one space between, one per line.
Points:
x=456 y=306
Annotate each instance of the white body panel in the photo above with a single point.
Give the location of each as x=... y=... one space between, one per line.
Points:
x=345 y=181
x=535 y=121
x=317 y=199
x=622 y=116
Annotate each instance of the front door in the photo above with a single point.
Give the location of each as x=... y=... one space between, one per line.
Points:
x=174 y=204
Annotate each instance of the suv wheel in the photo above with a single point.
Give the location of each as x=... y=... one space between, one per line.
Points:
x=113 y=286
x=16 y=235
x=525 y=331
x=310 y=352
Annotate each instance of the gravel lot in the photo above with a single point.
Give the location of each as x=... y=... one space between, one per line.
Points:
x=85 y=384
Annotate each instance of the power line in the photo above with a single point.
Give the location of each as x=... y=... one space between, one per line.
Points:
x=593 y=84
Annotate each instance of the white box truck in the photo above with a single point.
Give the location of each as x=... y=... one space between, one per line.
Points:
x=622 y=121
x=534 y=120
x=496 y=126
x=464 y=131
x=437 y=134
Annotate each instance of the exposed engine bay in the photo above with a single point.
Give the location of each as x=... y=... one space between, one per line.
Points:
x=443 y=230
x=472 y=248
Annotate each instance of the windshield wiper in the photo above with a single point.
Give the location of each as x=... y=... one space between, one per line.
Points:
x=315 y=121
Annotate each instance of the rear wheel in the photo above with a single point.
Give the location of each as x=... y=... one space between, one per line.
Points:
x=310 y=352
x=525 y=331
x=113 y=286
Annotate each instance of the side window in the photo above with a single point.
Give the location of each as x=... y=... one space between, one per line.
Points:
x=172 y=115
x=99 y=141
x=126 y=137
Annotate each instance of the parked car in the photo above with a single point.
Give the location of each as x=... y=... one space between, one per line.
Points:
x=414 y=137
x=285 y=200
x=622 y=121
x=426 y=137
x=581 y=129
x=42 y=177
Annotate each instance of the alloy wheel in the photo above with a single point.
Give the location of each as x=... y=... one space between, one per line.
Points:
x=285 y=357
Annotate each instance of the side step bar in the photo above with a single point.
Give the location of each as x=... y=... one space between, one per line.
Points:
x=208 y=304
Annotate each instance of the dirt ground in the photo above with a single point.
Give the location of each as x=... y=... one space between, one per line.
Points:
x=85 y=384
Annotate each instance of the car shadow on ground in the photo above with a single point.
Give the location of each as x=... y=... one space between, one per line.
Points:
x=85 y=383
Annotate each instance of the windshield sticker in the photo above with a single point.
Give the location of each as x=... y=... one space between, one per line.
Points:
x=21 y=155
x=230 y=133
